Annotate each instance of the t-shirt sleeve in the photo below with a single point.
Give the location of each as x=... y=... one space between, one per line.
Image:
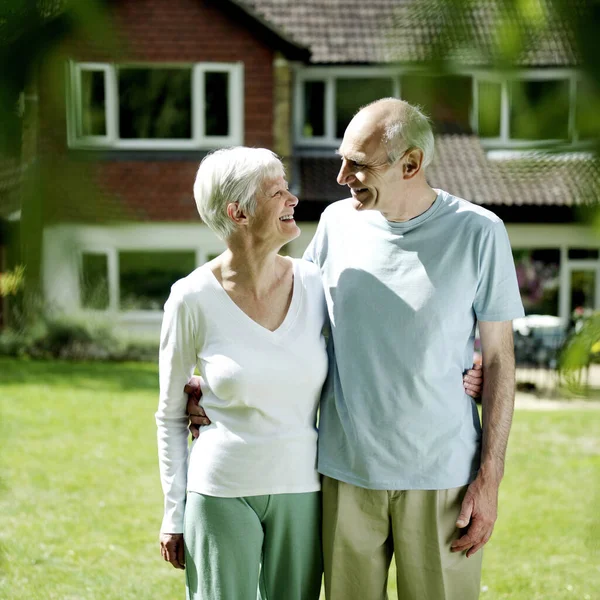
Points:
x=313 y=253
x=177 y=360
x=497 y=297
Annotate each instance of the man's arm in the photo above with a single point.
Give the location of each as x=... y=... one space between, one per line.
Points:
x=480 y=506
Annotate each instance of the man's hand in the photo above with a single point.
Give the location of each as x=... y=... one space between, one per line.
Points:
x=480 y=506
x=172 y=549
x=473 y=381
x=478 y=514
x=195 y=411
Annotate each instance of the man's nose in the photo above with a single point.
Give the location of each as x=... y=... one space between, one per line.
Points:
x=345 y=173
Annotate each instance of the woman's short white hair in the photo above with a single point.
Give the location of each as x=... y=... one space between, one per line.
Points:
x=232 y=175
x=406 y=127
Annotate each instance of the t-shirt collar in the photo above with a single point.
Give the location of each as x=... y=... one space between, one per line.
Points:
x=404 y=226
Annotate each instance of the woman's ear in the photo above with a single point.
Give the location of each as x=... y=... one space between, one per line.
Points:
x=236 y=214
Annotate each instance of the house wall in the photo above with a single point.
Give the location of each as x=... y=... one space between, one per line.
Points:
x=562 y=238
x=150 y=185
x=187 y=31
x=199 y=31
x=63 y=245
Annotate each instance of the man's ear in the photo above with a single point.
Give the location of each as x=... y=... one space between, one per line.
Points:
x=413 y=163
x=236 y=214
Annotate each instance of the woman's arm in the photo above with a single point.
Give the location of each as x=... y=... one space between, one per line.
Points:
x=177 y=360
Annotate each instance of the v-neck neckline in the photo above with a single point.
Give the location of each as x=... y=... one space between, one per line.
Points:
x=243 y=318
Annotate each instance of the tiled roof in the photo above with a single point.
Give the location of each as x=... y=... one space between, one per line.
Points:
x=384 y=31
x=461 y=167
x=566 y=180
x=162 y=190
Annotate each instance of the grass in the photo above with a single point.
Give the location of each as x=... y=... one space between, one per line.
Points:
x=80 y=499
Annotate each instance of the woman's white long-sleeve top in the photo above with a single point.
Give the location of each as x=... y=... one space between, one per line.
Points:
x=261 y=393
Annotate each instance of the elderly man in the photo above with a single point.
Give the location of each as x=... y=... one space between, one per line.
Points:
x=408 y=273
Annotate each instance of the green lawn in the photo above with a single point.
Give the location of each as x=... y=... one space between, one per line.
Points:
x=80 y=500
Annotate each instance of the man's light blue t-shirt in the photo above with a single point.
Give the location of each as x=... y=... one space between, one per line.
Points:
x=403 y=301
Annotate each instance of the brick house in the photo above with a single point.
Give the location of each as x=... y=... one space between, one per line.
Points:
x=194 y=75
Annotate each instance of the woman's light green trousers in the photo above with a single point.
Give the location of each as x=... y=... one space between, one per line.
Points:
x=236 y=546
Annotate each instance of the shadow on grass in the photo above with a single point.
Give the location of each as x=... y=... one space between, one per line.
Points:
x=83 y=375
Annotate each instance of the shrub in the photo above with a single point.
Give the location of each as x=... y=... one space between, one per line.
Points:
x=11 y=282
x=74 y=339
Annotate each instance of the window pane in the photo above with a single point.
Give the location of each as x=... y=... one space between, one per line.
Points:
x=94 y=281
x=314 y=109
x=539 y=110
x=351 y=94
x=489 y=101
x=537 y=274
x=216 y=104
x=155 y=103
x=586 y=116
x=447 y=100
x=583 y=253
x=93 y=102
x=145 y=278
x=583 y=291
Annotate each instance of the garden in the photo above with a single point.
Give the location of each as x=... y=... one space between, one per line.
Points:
x=81 y=503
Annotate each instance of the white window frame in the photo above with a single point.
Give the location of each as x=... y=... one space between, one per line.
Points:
x=328 y=75
x=505 y=140
x=141 y=313
x=566 y=267
x=113 y=278
x=74 y=105
x=590 y=142
x=235 y=104
x=585 y=264
x=563 y=238
x=198 y=140
x=114 y=273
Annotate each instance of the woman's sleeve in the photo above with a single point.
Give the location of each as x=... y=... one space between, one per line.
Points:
x=177 y=360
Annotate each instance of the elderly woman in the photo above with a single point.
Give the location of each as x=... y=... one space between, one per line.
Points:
x=251 y=321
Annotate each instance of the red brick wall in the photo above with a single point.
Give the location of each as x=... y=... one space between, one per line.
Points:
x=167 y=31
x=151 y=190
x=199 y=31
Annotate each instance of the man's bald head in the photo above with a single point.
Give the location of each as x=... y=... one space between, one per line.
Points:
x=399 y=125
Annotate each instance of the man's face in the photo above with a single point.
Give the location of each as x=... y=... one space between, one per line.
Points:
x=373 y=182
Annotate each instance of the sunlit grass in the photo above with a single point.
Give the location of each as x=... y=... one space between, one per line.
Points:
x=80 y=502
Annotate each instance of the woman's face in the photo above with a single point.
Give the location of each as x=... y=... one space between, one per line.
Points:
x=274 y=216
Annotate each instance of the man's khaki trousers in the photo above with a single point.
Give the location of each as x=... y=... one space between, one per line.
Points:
x=363 y=528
